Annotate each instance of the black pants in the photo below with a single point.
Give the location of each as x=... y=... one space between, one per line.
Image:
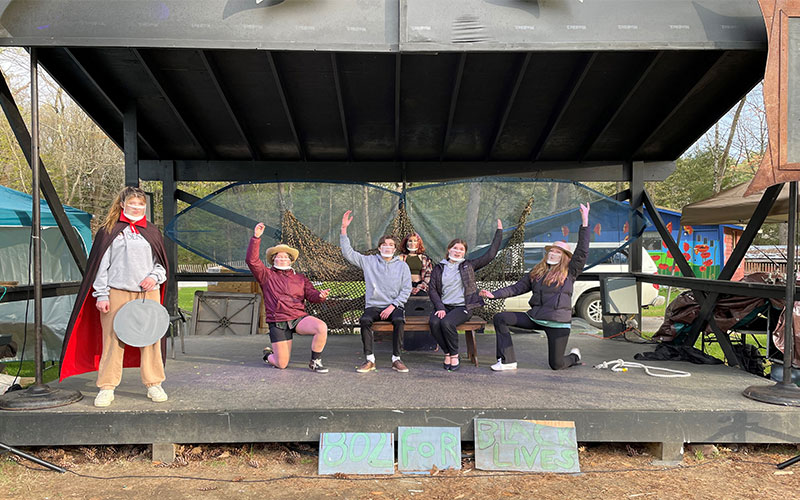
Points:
x=556 y=340
x=373 y=314
x=445 y=330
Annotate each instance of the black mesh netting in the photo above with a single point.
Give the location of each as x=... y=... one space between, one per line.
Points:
x=307 y=216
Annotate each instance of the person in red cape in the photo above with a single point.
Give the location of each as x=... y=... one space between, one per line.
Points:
x=127 y=259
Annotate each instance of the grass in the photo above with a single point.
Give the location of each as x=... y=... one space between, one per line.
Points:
x=49 y=373
x=186 y=297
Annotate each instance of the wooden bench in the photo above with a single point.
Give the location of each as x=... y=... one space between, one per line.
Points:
x=420 y=324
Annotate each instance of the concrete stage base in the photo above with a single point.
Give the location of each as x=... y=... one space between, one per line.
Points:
x=220 y=391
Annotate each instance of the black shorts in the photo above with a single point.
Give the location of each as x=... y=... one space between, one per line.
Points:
x=283 y=330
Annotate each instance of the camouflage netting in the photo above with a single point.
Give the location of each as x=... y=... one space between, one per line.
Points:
x=307 y=216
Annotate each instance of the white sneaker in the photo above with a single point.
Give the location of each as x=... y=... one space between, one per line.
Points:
x=500 y=366
x=104 y=397
x=156 y=393
x=576 y=352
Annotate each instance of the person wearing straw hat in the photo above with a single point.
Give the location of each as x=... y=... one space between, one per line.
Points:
x=284 y=294
x=550 y=282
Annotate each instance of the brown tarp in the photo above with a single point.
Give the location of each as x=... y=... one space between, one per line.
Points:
x=732 y=207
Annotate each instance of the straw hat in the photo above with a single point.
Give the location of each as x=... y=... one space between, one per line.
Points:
x=561 y=245
x=271 y=251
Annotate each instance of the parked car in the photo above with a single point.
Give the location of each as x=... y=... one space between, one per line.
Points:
x=586 y=300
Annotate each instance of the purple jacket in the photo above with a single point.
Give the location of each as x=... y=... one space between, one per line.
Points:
x=551 y=302
x=284 y=291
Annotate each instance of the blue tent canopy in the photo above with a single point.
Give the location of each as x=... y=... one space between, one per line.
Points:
x=16 y=210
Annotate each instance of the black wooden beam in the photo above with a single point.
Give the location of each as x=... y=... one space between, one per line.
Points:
x=104 y=91
x=616 y=109
x=340 y=101
x=522 y=67
x=453 y=103
x=216 y=78
x=285 y=103
x=130 y=134
x=570 y=90
x=157 y=79
x=666 y=236
x=380 y=171
x=17 y=293
x=623 y=195
x=23 y=137
x=398 y=67
x=742 y=288
x=679 y=105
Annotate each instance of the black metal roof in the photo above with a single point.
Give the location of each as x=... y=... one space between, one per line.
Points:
x=506 y=82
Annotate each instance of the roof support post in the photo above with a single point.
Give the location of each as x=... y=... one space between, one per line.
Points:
x=130 y=145
x=637 y=198
x=170 y=209
x=48 y=190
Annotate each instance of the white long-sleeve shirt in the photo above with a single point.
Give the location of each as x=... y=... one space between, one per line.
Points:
x=127 y=261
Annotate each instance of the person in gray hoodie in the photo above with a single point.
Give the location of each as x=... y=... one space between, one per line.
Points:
x=388 y=286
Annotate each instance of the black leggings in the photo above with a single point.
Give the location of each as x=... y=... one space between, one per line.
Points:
x=556 y=340
x=445 y=330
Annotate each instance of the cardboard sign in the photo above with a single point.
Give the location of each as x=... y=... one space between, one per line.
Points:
x=419 y=449
x=526 y=445
x=356 y=453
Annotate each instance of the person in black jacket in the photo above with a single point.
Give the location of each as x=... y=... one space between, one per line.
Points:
x=550 y=282
x=454 y=294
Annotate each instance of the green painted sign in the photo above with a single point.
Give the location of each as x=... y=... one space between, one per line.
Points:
x=526 y=445
x=356 y=453
x=419 y=449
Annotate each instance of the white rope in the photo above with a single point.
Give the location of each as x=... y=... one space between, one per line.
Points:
x=619 y=365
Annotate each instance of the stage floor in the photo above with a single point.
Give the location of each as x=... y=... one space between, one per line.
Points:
x=220 y=390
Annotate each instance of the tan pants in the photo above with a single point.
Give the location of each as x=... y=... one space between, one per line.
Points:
x=109 y=373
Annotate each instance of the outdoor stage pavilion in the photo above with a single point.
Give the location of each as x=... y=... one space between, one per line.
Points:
x=401 y=90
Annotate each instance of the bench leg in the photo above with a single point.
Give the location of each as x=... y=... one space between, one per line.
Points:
x=472 y=350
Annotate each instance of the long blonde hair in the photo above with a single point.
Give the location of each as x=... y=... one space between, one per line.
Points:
x=116 y=206
x=557 y=273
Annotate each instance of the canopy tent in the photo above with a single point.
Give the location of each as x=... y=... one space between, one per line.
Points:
x=57 y=266
x=732 y=207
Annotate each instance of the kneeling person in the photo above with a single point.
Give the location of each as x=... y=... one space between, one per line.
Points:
x=284 y=307
x=388 y=286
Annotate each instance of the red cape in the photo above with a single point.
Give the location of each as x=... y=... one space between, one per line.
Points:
x=83 y=342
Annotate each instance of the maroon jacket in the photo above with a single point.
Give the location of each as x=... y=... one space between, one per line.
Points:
x=284 y=291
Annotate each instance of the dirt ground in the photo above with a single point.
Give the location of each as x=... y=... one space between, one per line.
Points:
x=290 y=471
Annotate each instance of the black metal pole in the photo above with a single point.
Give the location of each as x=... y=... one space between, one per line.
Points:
x=37 y=218
x=33 y=459
x=791 y=276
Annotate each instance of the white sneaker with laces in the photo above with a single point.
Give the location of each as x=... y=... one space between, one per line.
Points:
x=500 y=366
x=104 y=397
x=576 y=352
x=156 y=393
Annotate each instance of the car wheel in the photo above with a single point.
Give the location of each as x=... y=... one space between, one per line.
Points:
x=590 y=308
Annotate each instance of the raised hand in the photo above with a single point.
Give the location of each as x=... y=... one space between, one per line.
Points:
x=499 y=224
x=259 y=230
x=486 y=293
x=585 y=213
x=347 y=218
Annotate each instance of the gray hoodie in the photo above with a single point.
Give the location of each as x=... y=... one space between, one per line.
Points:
x=388 y=283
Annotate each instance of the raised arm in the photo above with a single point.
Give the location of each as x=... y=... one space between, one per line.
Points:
x=582 y=248
x=484 y=259
x=350 y=255
x=254 y=263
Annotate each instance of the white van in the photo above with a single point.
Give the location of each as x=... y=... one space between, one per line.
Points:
x=586 y=300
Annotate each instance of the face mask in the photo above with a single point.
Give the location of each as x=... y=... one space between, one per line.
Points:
x=282 y=268
x=411 y=248
x=387 y=252
x=553 y=259
x=132 y=218
x=455 y=259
